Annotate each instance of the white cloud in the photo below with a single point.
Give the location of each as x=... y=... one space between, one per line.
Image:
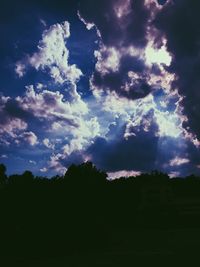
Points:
x=123 y=173
x=108 y=60
x=88 y=25
x=159 y=56
x=20 y=69
x=48 y=144
x=43 y=170
x=71 y=120
x=53 y=106
x=82 y=136
x=13 y=126
x=52 y=56
x=30 y=138
x=134 y=113
x=55 y=163
x=75 y=145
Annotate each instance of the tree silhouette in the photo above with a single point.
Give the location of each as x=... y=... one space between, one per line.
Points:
x=84 y=211
x=22 y=180
x=3 y=176
x=85 y=173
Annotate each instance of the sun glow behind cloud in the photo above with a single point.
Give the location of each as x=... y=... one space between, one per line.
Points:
x=168 y=124
x=159 y=56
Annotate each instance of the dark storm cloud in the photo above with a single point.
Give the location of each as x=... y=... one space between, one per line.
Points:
x=194 y=154
x=121 y=24
x=117 y=30
x=137 y=152
x=121 y=83
x=75 y=157
x=13 y=124
x=180 y=156
x=180 y=21
x=13 y=109
x=125 y=28
x=106 y=15
x=11 y=115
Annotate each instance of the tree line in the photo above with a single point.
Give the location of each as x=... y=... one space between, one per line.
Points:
x=84 y=210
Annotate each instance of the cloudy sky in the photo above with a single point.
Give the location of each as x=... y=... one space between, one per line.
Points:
x=116 y=82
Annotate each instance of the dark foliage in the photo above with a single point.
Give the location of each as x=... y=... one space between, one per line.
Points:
x=83 y=212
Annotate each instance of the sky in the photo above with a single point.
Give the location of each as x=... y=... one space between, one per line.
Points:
x=115 y=82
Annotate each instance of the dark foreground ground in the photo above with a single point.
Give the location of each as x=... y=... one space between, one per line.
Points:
x=84 y=220
x=141 y=247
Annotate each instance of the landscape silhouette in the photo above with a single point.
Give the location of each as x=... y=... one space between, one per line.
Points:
x=85 y=219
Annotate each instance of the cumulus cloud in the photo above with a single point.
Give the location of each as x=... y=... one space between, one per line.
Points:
x=108 y=60
x=129 y=60
x=14 y=124
x=136 y=112
x=52 y=106
x=30 y=138
x=48 y=144
x=52 y=56
x=131 y=72
x=119 y=22
x=10 y=124
x=53 y=113
x=72 y=119
x=113 y=73
x=66 y=118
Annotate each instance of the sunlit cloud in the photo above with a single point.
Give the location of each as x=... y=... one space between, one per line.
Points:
x=52 y=56
x=48 y=144
x=157 y=56
x=174 y=174
x=29 y=137
x=177 y=161
x=108 y=59
x=169 y=124
x=123 y=173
